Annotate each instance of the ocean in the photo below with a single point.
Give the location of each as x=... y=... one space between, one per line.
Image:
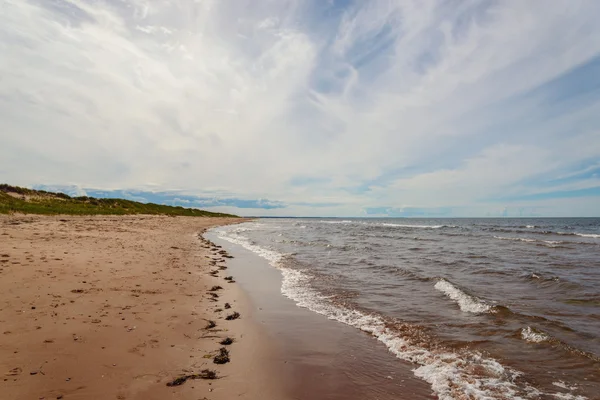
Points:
x=482 y=308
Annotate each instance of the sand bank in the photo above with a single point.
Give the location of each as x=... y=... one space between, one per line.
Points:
x=117 y=307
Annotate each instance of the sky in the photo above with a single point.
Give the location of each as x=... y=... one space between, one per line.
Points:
x=400 y=108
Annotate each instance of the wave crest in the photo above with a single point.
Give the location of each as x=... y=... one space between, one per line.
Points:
x=466 y=302
x=415 y=226
x=547 y=243
x=533 y=335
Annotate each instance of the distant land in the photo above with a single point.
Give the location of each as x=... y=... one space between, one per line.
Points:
x=14 y=199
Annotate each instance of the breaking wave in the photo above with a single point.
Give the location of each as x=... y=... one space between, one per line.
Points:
x=590 y=235
x=466 y=302
x=547 y=243
x=387 y=224
x=533 y=335
x=416 y=226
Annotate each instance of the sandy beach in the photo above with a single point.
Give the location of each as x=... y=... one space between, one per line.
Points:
x=117 y=307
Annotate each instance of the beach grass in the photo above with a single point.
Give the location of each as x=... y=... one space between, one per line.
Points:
x=14 y=199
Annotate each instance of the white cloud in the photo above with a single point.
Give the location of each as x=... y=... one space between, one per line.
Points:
x=427 y=103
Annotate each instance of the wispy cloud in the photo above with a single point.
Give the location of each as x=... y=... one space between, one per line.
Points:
x=476 y=107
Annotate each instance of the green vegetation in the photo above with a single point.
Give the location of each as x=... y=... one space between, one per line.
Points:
x=14 y=199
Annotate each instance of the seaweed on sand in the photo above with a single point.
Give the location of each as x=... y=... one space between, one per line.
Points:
x=210 y=325
x=222 y=357
x=204 y=374
x=233 y=316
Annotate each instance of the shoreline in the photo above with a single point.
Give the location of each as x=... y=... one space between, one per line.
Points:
x=103 y=307
x=317 y=357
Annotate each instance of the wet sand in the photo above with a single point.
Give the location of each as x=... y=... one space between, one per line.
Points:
x=320 y=358
x=116 y=307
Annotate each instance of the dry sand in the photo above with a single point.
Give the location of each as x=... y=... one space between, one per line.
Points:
x=116 y=307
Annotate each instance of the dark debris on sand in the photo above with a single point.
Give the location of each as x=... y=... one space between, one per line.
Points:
x=210 y=325
x=204 y=374
x=233 y=316
x=226 y=341
x=222 y=357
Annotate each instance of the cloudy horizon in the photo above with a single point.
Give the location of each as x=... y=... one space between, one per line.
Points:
x=307 y=108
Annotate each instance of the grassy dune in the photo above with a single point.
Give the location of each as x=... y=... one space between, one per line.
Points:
x=14 y=199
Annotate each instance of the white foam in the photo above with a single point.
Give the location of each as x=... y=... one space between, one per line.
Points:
x=389 y=224
x=590 y=235
x=466 y=302
x=563 y=385
x=533 y=336
x=233 y=237
x=530 y=226
x=568 y=396
x=547 y=243
x=414 y=226
x=515 y=239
